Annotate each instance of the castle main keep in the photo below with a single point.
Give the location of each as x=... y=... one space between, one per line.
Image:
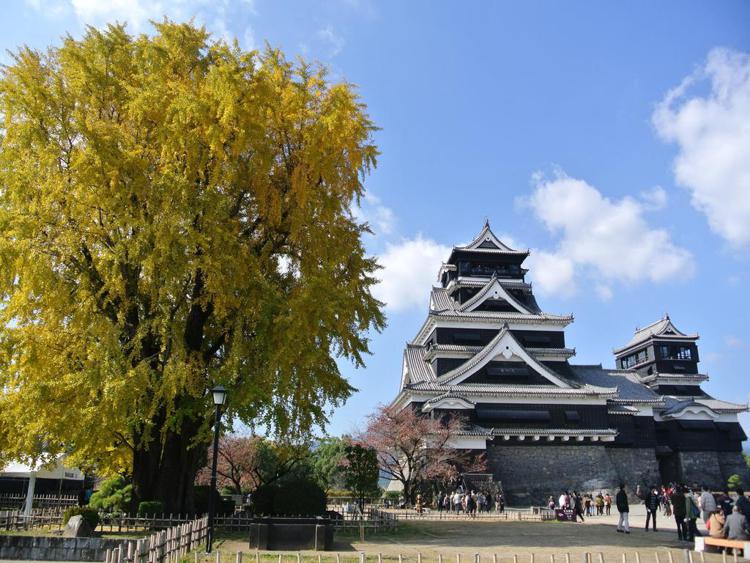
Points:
x=488 y=351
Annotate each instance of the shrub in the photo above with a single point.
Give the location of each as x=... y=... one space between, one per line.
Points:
x=392 y=496
x=150 y=508
x=261 y=500
x=734 y=481
x=226 y=506
x=303 y=497
x=200 y=499
x=90 y=515
x=114 y=495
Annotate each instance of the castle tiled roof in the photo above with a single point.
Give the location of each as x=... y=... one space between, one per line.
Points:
x=629 y=388
x=662 y=328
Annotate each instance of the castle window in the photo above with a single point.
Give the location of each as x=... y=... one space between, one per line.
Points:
x=684 y=353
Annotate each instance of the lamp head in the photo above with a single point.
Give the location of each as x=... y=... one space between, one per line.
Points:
x=220 y=395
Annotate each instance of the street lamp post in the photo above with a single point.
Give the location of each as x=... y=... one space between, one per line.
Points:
x=220 y=397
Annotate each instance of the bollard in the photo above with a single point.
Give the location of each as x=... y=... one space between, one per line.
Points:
x=476 y=558
x=279 y=557
x=400 y=560
x=196 y=557
x=338 y=558
x=671 y=559
x=494 y=558
x=218 y=553
x=380 y=558
x=637 y=557
x=458 y=558
x=257 y=556
x=601 y=557
x=440 y=558
x=239 y=557
x=734 y=555
x=298 y=561
x=362 y=557
x=724 y=556
x=419 y=557
x=656 y=556
x=567 y=558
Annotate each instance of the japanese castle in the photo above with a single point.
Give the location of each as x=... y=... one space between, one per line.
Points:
x=487 y=351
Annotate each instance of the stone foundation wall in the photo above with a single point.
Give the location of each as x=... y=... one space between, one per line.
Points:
x=530 y=474
x=55 y=549
x=731 y=463
x=702 y=468
x=635 y=466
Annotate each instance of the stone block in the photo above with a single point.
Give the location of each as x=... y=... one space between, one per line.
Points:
x=77 y=527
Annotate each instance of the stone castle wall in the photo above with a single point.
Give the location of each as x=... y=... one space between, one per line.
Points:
x=702 y=468
x=531 y=474
x=635 y=466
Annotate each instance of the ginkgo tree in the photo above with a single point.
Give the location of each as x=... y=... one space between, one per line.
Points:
x=175 y=213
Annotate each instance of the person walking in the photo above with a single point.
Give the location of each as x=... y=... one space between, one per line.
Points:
x=677 y=499
x=707 y=503
x=621 y=500
x=692 y=512
x=599 y=502
x=608 y=504
x=652 y=500
x=577 y=505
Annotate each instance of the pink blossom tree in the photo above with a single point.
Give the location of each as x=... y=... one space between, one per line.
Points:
x=415 y=449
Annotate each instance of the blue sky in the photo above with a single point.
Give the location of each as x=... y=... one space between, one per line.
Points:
x=613 y=139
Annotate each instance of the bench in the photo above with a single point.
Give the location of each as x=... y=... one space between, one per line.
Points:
x=704 y=541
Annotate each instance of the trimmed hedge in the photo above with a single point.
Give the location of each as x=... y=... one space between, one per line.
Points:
x=150 y=508
x=297 y=497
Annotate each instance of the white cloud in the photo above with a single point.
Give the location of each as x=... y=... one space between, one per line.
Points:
x=712 y=133
x=655 y=198
x=371 y=210
x=603 y=240
x=334 y=40
x=410 y=269
x=734 y=342
x=214 y=14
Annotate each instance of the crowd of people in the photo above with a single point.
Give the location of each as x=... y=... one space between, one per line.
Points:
x=469 y=502
x=586 y=504
x=725 y=516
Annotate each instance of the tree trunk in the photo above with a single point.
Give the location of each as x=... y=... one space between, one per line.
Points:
x=165 y=470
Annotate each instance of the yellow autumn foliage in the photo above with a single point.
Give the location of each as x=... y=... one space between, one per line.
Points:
x=175 y=213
